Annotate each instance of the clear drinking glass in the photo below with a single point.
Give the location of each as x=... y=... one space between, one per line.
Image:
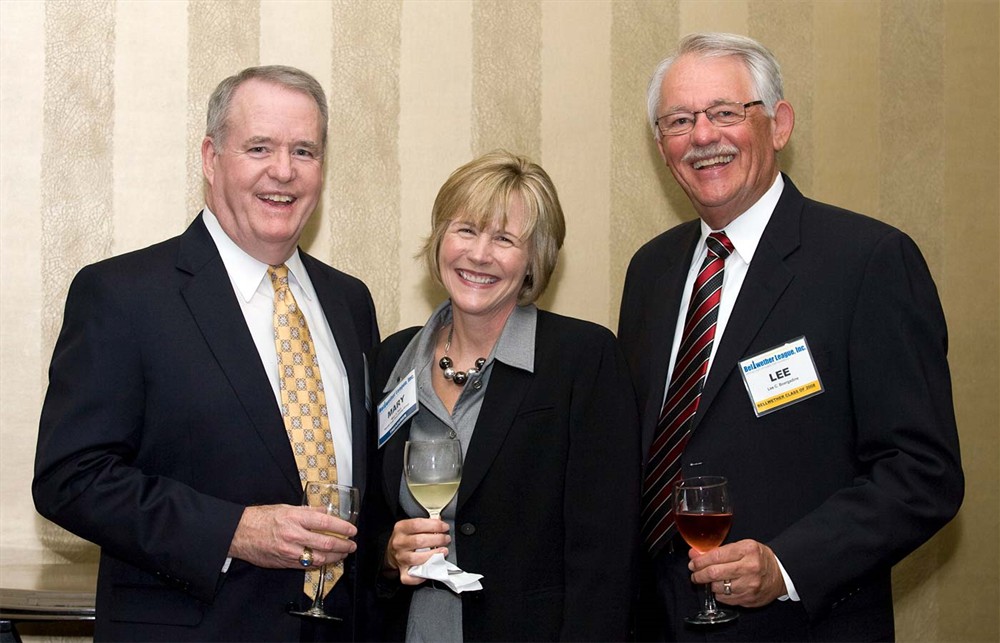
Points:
x=433 y=470
x=703 y=512
x=337 y=500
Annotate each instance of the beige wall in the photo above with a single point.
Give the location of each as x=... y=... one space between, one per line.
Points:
x=102 y=103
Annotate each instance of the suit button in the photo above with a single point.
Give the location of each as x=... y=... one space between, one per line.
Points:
x=468 y=529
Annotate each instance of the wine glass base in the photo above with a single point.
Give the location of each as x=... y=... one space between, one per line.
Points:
x=717 y=617
x=314 y=613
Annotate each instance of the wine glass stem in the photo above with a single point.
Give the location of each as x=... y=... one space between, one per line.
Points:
x=710 y=605
x=435 y=515
x=318 y=600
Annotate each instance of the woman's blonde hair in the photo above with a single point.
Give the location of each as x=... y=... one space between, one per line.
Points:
x=481 y=193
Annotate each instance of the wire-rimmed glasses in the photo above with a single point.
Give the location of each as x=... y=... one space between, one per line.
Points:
x=720 y=115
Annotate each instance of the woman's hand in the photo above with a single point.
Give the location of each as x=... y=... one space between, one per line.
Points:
x=413 y=542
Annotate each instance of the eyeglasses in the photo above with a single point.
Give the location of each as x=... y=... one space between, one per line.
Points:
x=721 y=115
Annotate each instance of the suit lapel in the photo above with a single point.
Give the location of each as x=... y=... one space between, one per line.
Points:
x=210 y=298
x=338 y=316
x=668 y=294
x=767 y=278
x=504 y=394
x=506 y=390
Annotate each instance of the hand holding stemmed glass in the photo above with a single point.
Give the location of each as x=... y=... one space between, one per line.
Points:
x=433 y=471
x=336 y=500
x=703 y=511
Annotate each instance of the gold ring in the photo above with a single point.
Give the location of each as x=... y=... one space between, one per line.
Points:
x=306 y=558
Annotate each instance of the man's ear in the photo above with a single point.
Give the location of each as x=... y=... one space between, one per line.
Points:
x=784 y=123
x=659 y=146
x=208 y=155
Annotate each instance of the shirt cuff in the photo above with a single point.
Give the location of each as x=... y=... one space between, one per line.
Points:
x=229 y=559
x=792 y=595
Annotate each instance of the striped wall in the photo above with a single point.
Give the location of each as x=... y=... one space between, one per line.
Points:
x=102 y=113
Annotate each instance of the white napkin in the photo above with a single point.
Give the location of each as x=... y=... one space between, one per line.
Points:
x=439 y=569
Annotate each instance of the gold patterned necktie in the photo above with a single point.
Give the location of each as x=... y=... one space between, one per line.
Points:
x=303 y=402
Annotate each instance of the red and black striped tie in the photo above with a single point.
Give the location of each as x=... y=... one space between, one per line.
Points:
x=673 y=428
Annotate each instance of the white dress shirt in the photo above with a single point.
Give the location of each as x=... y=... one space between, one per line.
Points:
x=256 y=296
x=745 y=232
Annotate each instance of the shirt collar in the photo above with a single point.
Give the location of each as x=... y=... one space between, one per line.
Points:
x=746 y=230
x=516 y=346
x=245 y=272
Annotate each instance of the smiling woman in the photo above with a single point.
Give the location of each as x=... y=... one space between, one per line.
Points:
x=484 y=270
x=559 y=406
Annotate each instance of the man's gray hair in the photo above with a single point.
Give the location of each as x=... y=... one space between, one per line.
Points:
x=765 y=73
x=291 y=78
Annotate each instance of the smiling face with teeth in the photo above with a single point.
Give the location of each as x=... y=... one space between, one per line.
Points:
x=483 y=269
x=723 y=170
x=265 y=177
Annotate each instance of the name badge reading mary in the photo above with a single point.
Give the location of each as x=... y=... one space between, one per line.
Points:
x=780 y=376
x=397 y=407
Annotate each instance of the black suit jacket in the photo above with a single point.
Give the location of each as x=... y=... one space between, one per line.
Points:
x=842 y=485
x=548 y=504
x=159 y=426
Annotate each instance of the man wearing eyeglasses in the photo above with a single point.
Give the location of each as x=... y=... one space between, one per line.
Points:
x=797 y=349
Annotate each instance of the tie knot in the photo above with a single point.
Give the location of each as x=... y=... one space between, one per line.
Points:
x=719 y=244
x=279 y=276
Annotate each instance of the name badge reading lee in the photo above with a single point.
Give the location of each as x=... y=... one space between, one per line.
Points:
x=781 y=376
x=397 y=407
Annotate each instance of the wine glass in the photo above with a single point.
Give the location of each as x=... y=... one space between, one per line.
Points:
x=433 y=470
x=337 y=500
x=703 y=512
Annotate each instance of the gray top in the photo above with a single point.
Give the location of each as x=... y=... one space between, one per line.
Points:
x=436 y=614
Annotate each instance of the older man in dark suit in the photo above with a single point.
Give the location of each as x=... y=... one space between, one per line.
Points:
x=169 y=436
x=795 y=348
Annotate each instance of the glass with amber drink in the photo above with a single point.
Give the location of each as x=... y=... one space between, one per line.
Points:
x=703 y=511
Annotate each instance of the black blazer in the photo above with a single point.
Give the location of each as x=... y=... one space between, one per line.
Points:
x=842 y=485
x=548 y=505
x=159 y=426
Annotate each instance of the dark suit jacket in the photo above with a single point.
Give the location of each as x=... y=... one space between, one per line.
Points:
x=548 y=504
x=842 y=485
x=160 y=426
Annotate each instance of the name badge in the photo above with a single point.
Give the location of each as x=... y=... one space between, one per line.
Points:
x=397 y=407
x=781 y=376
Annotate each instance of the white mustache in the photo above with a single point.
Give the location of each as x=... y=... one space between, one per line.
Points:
x=711 y=151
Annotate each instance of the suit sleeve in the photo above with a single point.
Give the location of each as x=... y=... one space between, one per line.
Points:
x=90 y=433
x=601 y=499
x=906 y=442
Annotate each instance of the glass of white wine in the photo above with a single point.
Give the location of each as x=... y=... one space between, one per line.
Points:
x=433 y=470
x=336 y=500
